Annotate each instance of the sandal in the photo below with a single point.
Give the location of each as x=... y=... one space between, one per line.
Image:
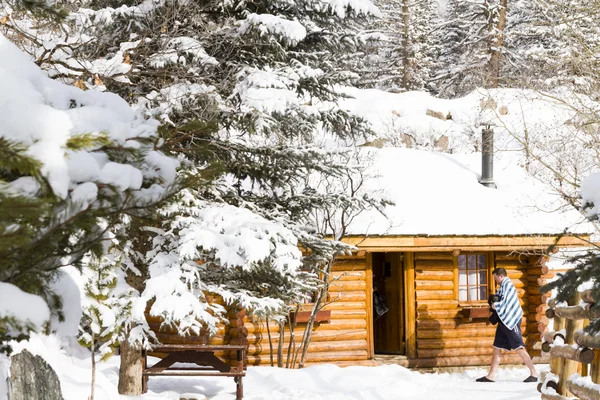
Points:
x=531 y=378
x=485 y=379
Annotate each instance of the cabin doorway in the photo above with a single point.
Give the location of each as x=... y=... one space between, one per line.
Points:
x=388 y=304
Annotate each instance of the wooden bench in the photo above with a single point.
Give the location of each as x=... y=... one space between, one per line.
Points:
x=203 y=355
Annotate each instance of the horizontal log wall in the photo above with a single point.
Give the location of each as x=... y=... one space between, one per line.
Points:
x=444 y=336
x=538 y=275
x=341 y=340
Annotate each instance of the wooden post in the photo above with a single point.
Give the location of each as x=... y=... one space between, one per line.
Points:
x=369 y=306
x=144 y=366
x=556 y=362
x=410 y=316
x=585 y=368
x=596 y=367
x=569 y=366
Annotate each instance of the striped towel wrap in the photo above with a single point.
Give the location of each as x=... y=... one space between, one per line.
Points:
x=508 y=308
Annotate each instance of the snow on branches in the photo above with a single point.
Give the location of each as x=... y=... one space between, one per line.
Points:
x=73 y=164
x=225 y=250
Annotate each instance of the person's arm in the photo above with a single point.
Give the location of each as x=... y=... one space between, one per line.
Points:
x=502 y=301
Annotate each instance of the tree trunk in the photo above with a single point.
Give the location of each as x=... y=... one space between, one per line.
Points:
x=495 y=43
x=280 y=343
x=130 y=371
x=321 y=295
x=270 y=341
x=291 y=357
x=93 y=366
x=406 y=44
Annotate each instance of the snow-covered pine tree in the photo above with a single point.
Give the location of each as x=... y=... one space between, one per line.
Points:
x=584 y=275
x=104 y=309
x=553 y=44
x=246 y=92
x=398 y=55
x=471 y=42
x=67 y=176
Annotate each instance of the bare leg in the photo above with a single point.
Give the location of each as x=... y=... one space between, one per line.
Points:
x=527 y=361
x=495 y=362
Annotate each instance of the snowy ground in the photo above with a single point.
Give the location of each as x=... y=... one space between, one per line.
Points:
x=323 y=382
x=328 y=382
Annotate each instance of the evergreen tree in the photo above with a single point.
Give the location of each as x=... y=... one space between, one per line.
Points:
x=247 y=95
x=471 y=37
x=398 y=55
x=105 y=310
x=553 y=44
x=246 y=90
x=62 y=189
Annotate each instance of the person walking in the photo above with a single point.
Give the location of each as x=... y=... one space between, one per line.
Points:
x=508 y=332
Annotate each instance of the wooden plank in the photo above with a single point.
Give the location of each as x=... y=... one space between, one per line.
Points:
x=359 y=313
x=349 y=265
x=173 y=338
x=156 y=327
x=434 y=285
x=304 y=316
x=476 y=312
x=457 y=352
x=434 y=275
x=457 y=323
x=410 y=315
x=347 y=286
x=348 y=275
x=465 y=243
x=569 y=366
x=438 y=265
x=583 y=391
x=439 y=314
x=350 y=355
x=194 y=347
x=455 y=343
x=505 y=256
x=342 y=324
x=423 y=305
x=515 y=274
x=317 y=336
x=595 y=372
x=454 y=333
x=369 y=306
x=433 y=256
x=350 y=305
x=193 y=373
x=347 y=296
x=313 y=347
x=434 y=295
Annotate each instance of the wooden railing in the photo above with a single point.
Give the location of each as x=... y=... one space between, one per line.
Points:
x=573 y=353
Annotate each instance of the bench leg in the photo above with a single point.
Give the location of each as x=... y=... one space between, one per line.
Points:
x=239 y=393
x=144 y=366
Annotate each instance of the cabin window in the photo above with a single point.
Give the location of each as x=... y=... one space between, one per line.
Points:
x=472 y=277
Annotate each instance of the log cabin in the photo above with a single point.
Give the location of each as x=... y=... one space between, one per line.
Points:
x=429 y=260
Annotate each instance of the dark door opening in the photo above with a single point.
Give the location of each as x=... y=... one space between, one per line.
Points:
x=388 y=293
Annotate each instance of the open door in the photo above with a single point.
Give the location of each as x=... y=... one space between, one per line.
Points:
x=388 y=304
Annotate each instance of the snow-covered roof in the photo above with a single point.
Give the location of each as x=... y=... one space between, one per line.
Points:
x=439 y=194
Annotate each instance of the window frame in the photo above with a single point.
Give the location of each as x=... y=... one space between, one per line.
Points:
x=489 y=261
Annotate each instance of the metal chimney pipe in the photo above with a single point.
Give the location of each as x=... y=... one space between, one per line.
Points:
x=487 y=157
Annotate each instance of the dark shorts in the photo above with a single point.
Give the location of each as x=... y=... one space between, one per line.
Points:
x=508 y=339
